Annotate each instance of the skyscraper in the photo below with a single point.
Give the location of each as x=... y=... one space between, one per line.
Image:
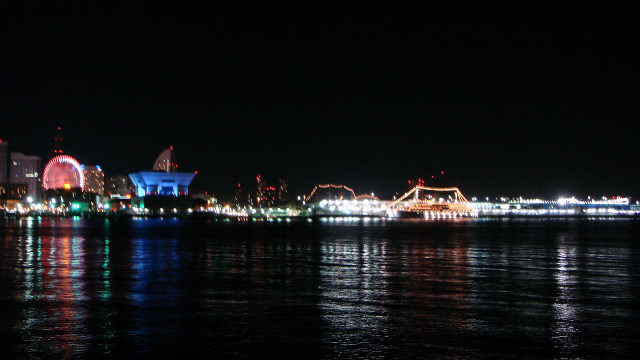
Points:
x=4 y=158
x=93 y=179
x=25 y=169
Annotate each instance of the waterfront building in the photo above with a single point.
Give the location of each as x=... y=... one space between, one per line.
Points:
x=26 y=169
x=204 y=201
x=161 y=192
x=161 y=183
x=13 y=196
x=94 y=179
x=119 y=187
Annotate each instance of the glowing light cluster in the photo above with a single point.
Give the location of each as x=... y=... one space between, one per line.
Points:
x=63 y=172
x=351 y=207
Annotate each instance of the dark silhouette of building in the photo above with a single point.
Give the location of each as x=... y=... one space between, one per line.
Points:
x=4 y=158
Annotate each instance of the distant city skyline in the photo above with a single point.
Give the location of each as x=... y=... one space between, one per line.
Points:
x=98 y=181
x=511 y=99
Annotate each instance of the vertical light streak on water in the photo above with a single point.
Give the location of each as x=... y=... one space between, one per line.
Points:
x=29 y=266
x=30 y=277
x=105 y=292
x=54 y=319
x=566 y=312
x=78 y=269
x=140 y=260
x=154 y=291
x=106 y=314
x=353 y=285
x=65 y=310
x=79 y=300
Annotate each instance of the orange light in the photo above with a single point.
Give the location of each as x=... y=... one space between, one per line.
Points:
x=67 y=186
x=128 y=196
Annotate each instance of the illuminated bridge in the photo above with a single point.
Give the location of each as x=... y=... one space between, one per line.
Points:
x=343 y=201
x=431 y=202
x=421 y=201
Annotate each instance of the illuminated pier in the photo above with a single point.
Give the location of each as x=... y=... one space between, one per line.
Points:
x=617 y=206
x=332 y=201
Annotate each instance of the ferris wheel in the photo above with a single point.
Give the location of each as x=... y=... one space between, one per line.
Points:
x=63 y=172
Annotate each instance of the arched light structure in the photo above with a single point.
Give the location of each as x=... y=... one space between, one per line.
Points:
x=61 y=170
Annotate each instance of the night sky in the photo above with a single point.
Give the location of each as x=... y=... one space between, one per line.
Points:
x=538 y=100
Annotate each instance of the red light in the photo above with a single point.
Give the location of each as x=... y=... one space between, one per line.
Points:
x=195 y=172
x=239 y=185
x=442 y=172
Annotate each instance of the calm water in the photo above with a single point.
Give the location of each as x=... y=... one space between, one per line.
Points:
x=73 y=288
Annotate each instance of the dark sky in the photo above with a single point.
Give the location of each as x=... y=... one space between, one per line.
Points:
x=507 y=99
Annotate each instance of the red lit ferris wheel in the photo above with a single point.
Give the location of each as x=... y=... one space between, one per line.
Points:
x=63 y=172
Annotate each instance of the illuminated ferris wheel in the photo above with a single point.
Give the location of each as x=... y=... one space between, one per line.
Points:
x=63 y=172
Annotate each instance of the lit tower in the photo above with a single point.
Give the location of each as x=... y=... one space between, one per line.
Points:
x=58 y=140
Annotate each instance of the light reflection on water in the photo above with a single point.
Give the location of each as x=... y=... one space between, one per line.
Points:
x=566 y=312
x=335 y=289
x=54 y=290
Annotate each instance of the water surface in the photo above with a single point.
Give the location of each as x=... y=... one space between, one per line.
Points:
x=330 y=289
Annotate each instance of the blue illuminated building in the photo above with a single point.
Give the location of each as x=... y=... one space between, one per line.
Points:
x=148 y=183
x=161 y=193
